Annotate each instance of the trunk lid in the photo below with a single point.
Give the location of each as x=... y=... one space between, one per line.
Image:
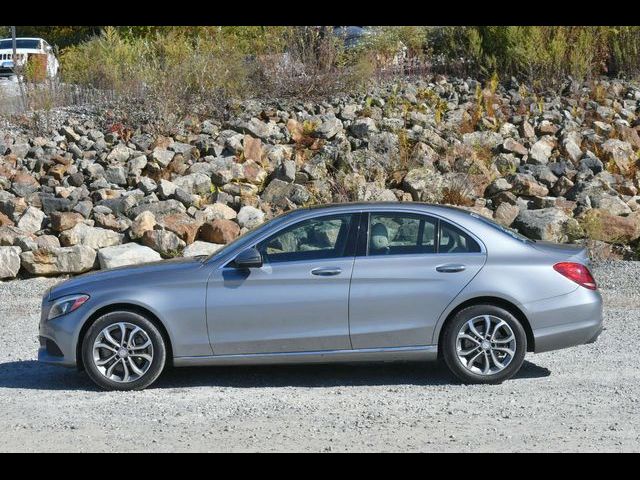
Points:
x=564 y=251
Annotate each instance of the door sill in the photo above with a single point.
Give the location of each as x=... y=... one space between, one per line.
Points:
x=387 y=354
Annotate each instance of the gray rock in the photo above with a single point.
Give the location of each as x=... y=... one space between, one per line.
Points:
x=278 y=192
x=56 y=261
x=541 y=151
x=200 y=248
x=329 y=126
x=167 y=243
x=165 y=207
x=162 y=156
x=250 y=217
x=93 y=237
x=549 y=224
x=120 y=153
x=195 y=183
x=424 y=184
x=9 y=262
x=126 y=254
x=484 y=139
x=31 y=220
x=375 y=193
x=362 y=127
x=500 y=184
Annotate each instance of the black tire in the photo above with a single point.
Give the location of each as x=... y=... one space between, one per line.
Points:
x=449 y=344
x=158 y=344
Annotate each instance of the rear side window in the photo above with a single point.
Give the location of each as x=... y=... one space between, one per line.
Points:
x=401 y=233
x=454 y=240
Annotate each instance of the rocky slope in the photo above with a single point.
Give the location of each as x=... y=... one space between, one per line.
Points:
x=557 y=167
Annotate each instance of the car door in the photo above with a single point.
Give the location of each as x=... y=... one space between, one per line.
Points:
x=409 y=267
x=297 y=301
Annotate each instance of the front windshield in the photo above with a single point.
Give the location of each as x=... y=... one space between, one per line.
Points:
x=20 y=43
x=509 y=231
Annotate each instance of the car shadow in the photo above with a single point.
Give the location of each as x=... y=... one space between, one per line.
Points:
x=33 y=375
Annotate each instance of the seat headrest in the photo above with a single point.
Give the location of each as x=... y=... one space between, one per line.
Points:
x=379 y=236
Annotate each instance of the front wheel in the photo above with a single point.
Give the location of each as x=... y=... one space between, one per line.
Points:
x=123 y=351
x=484 y=344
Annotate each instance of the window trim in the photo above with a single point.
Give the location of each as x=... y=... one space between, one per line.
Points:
x=350 y=249
x=362 y=250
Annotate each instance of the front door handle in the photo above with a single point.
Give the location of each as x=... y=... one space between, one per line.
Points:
x=326 y=271
x=450 y=268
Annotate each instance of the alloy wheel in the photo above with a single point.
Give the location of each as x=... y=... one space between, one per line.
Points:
x=485 y=345
x=123 y=352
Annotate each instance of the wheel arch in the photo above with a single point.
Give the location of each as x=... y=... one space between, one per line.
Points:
x=127 y=307
x=495 y=301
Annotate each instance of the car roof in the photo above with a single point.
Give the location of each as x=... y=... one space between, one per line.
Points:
x=22 y=38
x=372 y=206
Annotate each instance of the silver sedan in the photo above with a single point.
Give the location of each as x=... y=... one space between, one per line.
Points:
x=340 y=283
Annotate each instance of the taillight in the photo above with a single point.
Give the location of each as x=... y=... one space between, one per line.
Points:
x=576 y=272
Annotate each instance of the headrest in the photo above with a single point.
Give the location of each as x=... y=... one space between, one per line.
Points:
x=379 y=236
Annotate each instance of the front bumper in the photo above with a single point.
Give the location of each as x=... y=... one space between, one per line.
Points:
x=566 y=321
x=58 y=336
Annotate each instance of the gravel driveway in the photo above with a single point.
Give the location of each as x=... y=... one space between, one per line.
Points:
x=584 y=398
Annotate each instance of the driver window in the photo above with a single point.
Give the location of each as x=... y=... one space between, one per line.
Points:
x=312 y=239
x=401 y=233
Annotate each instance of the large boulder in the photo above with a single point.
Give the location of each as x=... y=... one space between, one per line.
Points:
x=424 y=184
x=215 y=211
x=167 y=243
x=525 y=184
x=278 y=192
x=9 y=262
x=61 y=221
x=159 y=209
x=620 y=154
x=126 y=254
x=599 y=224
x=550 y=224
x=31 y=220
x=249 y=217
x=219 y=231
x=196 y=183
x=182 y=225
x=145 y=221
x=24 y=184
x=56 y=261
x=541 y=151
x=199 y=248
x=93 y=237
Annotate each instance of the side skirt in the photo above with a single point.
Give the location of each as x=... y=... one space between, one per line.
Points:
x=417 y=353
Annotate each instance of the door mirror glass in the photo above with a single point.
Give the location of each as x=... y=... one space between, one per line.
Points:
x=249 y=258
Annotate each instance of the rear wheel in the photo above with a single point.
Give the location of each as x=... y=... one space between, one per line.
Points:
x=123 y=351
x=484 y=344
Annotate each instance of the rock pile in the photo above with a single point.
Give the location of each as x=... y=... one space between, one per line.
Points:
x=557 y=167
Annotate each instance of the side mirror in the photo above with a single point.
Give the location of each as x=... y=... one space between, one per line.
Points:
x=249 y=258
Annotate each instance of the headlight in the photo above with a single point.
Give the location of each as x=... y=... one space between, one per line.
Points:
x=65 y=305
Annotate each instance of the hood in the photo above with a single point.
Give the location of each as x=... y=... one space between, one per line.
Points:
x=85 y=283
x=564 y=251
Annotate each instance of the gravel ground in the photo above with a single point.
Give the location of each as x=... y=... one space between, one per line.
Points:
x=585 y=398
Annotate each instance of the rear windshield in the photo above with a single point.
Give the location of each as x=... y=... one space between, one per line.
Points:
x=512 y=233
x=20 y=43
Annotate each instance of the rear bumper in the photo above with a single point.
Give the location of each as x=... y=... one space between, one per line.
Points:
x=566 y=321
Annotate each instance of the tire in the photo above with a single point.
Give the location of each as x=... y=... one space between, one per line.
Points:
x=143 y=351
x=505 y=334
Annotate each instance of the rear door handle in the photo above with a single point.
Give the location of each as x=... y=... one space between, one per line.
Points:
x=450 y=268
x=326 y=271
